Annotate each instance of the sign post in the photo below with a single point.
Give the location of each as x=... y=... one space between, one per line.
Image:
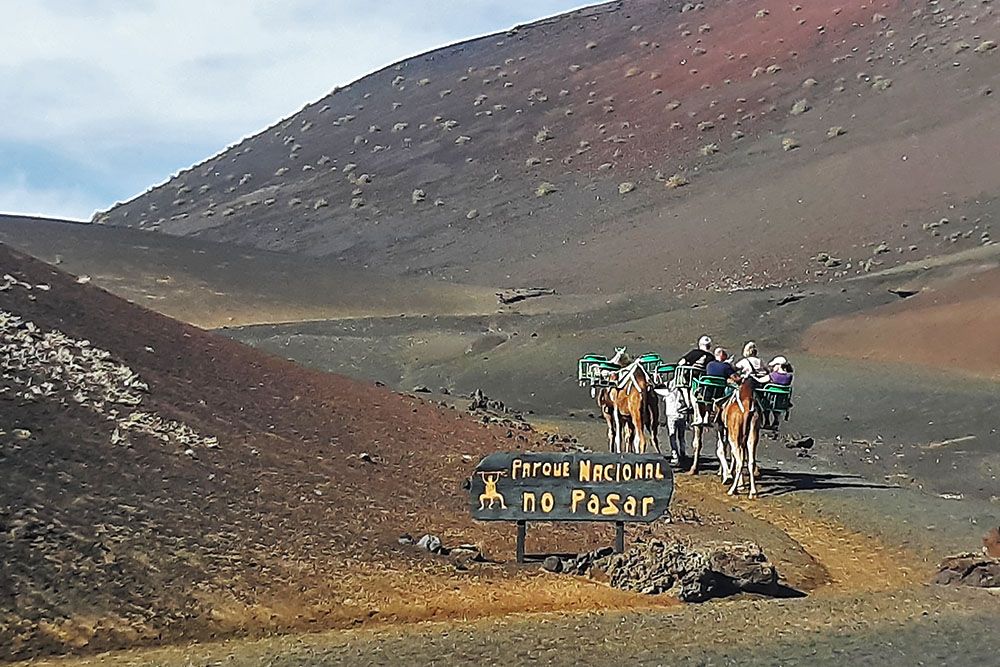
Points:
x=555 y=486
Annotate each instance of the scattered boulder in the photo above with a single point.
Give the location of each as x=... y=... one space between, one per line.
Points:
x=991 y=543
x=552 y=564
x=969 y=570
x=800 y=443
x=514 y=295
x=692 y=573
x=431 y=543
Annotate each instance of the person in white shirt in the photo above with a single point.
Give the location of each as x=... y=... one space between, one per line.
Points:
x=676 y=419
x=751 y=365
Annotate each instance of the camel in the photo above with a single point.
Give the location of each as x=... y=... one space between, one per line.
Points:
x=633 y=401
x=709 y=418
x=740 y=422
x=604 y=401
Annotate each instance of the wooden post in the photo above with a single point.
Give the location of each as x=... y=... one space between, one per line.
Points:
x=619 y=537
x=521 y=530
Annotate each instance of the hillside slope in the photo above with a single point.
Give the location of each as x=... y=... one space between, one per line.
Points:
x=160 y=483
x=552 y=153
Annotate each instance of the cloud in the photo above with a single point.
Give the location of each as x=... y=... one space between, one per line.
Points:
x=70 y=203
x=102 y=83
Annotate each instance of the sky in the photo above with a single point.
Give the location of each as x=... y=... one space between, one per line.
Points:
x=101 y=99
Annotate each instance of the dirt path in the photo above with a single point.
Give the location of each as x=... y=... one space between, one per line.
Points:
x=866 y=601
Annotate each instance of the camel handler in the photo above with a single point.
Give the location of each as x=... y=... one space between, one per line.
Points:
x=676 y=422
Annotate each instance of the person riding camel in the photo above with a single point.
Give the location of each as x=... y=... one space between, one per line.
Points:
x=720 y=366
x=698 y=359
x=751 y=365
x=781 y=372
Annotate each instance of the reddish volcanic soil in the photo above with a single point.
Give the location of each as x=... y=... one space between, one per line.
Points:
x=953 y=327
x=434 y=165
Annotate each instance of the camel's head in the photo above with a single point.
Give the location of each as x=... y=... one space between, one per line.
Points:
x=620 y=355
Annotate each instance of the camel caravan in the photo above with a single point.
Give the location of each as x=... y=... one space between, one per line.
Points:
x=702 y=391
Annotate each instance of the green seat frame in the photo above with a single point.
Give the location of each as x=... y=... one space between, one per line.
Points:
x=664 y=373
x=685 y=376
x=584 y=363
x=776 y=398
x=708 y=389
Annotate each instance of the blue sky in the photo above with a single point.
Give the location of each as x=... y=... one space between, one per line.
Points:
x=104 y=98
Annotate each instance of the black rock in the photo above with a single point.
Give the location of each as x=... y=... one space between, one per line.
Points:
x=552 y=564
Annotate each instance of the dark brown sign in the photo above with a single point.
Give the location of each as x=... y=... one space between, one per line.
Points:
x=544 y=486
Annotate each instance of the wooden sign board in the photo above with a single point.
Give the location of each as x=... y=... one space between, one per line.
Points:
x=555 y=486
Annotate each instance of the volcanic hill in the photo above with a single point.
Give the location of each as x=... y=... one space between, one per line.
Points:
x=632 y=145
x=162 y=484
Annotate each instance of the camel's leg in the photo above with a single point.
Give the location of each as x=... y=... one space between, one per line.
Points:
x=696 y=438
x=723 y=454
x=738 y=455
x=753 y=435
x=654 y=419
x=618 y=432
x=638 y=419
x=611 y=429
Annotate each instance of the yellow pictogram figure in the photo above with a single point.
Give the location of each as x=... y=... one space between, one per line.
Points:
x=491 y=494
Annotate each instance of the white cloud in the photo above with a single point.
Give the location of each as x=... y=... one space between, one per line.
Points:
x=91 y=80
x=72 y=203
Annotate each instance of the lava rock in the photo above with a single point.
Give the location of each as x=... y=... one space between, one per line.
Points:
x=692 y=573
x=552 y=564
x=968 y=569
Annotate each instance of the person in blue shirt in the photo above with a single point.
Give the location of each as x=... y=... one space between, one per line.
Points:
x=721 y=367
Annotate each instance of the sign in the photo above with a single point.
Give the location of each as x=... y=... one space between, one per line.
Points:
x=555 y=486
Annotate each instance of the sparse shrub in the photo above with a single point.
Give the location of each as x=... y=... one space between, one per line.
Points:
x=320 y=203
x=986 y=46
x=632 y=71
x=835 y=131
x=418 y=196
x=676 y=181
x=472 y=214
x=882 y=83
x=626 y=187
x=800 y=107
x=591 y=45
x=789 y=144
x=705 y=125
x=532 y=161
x=545 y=188
x=543 y=135
x=399 y=127
x=423 y=82
x=463 y=140
x=709 y=149
x=357 y=202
